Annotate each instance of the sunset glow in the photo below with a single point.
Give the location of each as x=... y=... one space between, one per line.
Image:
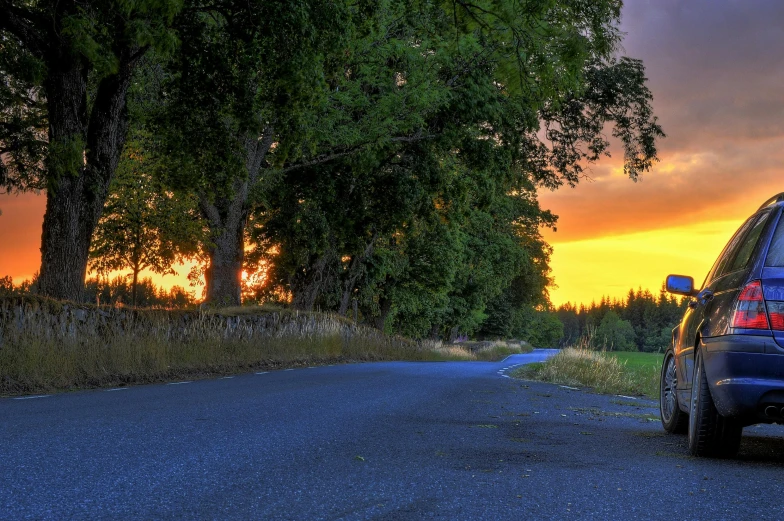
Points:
x=589 y=269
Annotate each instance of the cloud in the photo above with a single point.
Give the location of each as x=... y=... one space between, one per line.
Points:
x=715 y=67
x=716 y=70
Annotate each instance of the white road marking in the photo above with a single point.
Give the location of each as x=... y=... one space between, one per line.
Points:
x=117 y=389
x=32 y=397
x=311 y=367
x=628 y=397
x=178 y=383
x=288 y=369
x=570 y=388
x=263 y=372
x=227 y=377
x=506 y=376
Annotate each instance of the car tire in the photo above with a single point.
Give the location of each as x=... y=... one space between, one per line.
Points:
x=710 y=434
x=673 y=419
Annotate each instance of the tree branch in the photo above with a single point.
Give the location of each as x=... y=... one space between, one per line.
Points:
x=26 y=25
x=325 y=158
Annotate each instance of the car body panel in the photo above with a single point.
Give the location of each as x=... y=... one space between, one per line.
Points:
x=745 y=376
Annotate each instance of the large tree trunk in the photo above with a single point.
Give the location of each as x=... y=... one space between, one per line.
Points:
x=353 y=274
x=385 y=307
x=306 y=285
x=224 y=272
x=64 y=234
x=227 y=218
x=65 y=242
x=83 y=154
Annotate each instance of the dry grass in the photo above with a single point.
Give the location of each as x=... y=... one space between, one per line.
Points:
x=485 y=351
x=603 y=372
x=48 y=346
x=499 y=350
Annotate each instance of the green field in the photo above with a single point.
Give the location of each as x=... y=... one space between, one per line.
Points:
x=643 y=368
x=639 y=361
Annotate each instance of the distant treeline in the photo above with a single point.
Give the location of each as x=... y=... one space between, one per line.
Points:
x=115 y=292
x=641 y=322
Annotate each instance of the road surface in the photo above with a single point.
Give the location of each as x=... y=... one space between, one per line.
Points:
x=450 y=440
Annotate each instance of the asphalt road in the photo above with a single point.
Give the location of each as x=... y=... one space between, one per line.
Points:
x=452 y=440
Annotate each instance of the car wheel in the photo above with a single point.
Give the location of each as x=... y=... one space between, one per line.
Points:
x=673 y=419
x=710 y=434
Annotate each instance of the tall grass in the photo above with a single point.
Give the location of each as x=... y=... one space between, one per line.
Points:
x=601 y=371
x=47 y=345
x=486 y=351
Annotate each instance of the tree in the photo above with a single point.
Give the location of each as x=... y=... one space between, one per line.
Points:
x=70 y=65
x=144 y=225
x=568 y=314
x=540 y=328
x=237 y=90
x=351 y=227
x=615 y=334
x=397 y=82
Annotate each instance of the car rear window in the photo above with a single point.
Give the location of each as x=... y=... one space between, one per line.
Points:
x=775 y=256
x=719 y=267
x=749 y=242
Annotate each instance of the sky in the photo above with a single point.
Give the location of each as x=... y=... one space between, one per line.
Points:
x=716 y=70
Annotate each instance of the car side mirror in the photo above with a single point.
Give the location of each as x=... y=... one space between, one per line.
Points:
x=681 y=285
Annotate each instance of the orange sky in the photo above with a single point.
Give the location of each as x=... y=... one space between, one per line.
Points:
x=716 y=71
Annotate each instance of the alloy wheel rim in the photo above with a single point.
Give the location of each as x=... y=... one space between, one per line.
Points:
x=668 y=398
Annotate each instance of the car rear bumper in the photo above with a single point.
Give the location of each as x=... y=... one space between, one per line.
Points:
x=746 y=376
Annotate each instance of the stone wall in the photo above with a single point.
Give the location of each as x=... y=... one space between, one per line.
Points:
x=40 y=317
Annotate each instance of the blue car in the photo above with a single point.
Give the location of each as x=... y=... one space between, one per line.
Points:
x=725 y=367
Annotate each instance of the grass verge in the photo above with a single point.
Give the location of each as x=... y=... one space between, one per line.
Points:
x=607 y=373
x=48 y=346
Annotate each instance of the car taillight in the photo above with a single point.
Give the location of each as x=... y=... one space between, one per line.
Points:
x=776 y=314
x=750 y=308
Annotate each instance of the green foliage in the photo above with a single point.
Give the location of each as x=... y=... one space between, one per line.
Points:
x=115 y=292
x=38 y=39
x=386 y=154
x=614 y=333
x=426 y=211
x=244 y=69
x=539 y=328
x=23 y=122
x=9 y=289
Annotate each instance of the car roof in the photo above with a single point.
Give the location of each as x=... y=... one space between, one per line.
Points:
x=773 y=200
